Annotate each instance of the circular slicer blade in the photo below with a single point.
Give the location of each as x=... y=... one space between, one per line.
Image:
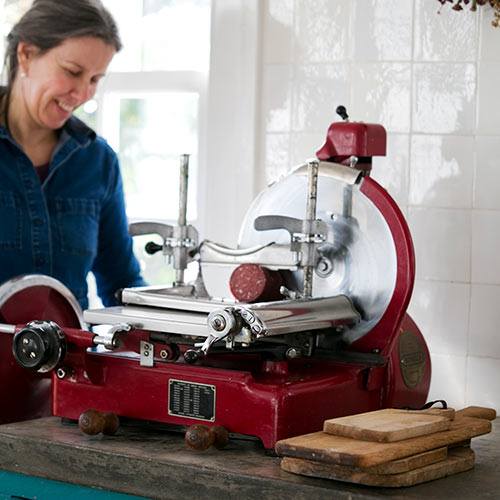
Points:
x=359 y=245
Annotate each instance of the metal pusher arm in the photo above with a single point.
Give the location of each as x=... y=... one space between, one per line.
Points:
x=178 y=241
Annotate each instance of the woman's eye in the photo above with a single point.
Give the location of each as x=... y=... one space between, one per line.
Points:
x=73 y=73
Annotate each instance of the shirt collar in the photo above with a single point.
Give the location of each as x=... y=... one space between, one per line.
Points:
x=79 y=131
x=73 y=127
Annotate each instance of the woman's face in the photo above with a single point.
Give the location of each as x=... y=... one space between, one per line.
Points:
x=61 y=79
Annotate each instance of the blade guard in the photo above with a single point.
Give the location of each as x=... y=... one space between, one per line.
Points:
x=346 y=139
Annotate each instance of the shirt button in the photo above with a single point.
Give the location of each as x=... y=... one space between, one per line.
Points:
x=40 y=261
x=38 y=221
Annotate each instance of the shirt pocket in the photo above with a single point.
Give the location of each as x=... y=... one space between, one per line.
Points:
x=10 y=221
x=78 y=225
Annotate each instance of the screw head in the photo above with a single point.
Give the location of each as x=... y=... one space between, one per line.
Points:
x=218 y=323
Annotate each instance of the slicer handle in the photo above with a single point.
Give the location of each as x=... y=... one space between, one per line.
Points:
x=269 y=222
x=139 y=228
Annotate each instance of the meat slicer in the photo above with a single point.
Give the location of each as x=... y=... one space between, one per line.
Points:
x=305 y=320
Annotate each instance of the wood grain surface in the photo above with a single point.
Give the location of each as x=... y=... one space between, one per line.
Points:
x=409 y=463
x=388 y=425
x=477 y=412
x=458 y=460
x=324 y=447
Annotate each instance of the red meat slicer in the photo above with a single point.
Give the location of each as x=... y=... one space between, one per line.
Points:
x=324 y=271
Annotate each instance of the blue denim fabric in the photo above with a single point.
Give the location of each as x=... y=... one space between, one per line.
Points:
x=73 y=223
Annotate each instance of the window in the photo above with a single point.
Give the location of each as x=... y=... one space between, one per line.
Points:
x=150 y=106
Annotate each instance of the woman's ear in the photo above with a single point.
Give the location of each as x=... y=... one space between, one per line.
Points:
x=25 y=54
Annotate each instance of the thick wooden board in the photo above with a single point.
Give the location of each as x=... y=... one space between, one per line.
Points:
x=387 y=426
x=459 y=460
x=443 y=412
x=325 y=447
x=477 y=412
x=409 y=463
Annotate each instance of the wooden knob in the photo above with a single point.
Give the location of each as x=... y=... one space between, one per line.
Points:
x=111 y=424
x=93 y=422
x=221 y=436
x=200 y=437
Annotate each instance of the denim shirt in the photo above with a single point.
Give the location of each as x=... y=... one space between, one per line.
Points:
x=73 y=223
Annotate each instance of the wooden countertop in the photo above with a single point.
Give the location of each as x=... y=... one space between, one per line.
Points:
x=150 y=462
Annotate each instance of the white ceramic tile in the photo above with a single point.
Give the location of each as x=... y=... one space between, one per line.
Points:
x=382 y=30
x=404 y=209
x=445 y=36
x=276 y=97
x=442 y=240
x=489 y=37
x=486 y=247
x=441 y=171
x=381 y=94
x=488 y=101
x=441 y=311
x=318 y=90
x=391 y=171
x=278 y=31
x=322 y=30
x=483 y=375
x=443 y=97
x=487 y=178
x=303 y=146
x=276 y=160
x=484 y=320
x=448 y=379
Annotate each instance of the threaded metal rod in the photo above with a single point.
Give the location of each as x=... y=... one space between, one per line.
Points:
x=312 y=196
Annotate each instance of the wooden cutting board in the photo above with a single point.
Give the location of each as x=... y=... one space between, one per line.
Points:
x=458 y=460
x=387 y=426
x=324 y=447
x=477 y=412
x=409 y=463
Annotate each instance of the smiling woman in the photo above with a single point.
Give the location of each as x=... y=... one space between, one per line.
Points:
x=52 y=85
x=61 y=186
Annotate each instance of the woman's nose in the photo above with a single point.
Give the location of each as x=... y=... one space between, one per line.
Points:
x=83 y=91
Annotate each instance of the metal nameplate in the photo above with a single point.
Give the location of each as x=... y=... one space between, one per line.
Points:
x=411 y=358
x=190 y=400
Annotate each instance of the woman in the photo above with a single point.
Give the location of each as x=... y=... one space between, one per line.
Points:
x=61 y=199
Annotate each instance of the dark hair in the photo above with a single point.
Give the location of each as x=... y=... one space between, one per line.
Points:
x=48 y=23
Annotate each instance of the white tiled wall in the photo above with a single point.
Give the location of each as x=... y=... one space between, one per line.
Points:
x=433 y=80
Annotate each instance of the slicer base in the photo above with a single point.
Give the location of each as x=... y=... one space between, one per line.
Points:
x=271 y=400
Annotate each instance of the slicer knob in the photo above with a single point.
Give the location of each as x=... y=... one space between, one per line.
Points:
x=94 y=422
x=39 y=345
x=152 y=247
x=191 y=356
x=342 y=112
x=200 y=437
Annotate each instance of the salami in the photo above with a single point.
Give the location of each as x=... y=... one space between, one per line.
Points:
x=254 y=283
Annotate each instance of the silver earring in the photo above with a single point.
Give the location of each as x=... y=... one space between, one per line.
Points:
x=22 y=74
